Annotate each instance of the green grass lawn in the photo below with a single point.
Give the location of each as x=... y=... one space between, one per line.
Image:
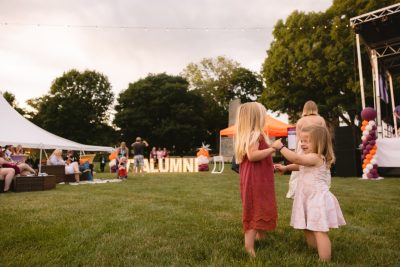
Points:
x=187 y=220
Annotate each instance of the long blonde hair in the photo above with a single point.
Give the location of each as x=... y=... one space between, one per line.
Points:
x=250 y=122
x=310 y=108
x=322 y=142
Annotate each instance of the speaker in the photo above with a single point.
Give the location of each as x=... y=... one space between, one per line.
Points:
x=348 y=156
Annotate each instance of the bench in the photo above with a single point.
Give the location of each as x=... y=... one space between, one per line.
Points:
x=59 y=172
x=34 y=183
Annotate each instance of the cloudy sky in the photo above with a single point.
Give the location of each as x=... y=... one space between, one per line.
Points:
x=41 y=39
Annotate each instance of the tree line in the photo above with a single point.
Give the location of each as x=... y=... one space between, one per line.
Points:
x=311 y=57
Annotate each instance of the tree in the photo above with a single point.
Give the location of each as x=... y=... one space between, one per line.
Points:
x=77 y=107
x=10 y=97
x=218 y=81
x=312 y=57
x=221 y=80
x=160 y=109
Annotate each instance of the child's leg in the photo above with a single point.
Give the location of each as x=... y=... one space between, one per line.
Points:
x=310 y=237
x=249 y=237
x=323 y=245
x=260 y=235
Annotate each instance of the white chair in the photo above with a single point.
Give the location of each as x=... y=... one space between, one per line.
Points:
x=218 y=164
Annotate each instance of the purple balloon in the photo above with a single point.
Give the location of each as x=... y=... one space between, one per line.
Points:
x=375 y=175
x=368 y=114
x=375 y=166
x=370 y=175
x=371 y=142
x=372 y=132
x=373 y=171
x=368 y=147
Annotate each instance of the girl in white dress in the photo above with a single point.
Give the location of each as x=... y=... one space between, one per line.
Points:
x=315 y=209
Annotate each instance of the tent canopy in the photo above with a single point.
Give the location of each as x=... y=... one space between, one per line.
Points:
x=273 y=127
x=21 y=131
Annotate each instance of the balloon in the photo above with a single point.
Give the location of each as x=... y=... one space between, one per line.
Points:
x=364 y=176
x=373 y=171
x=362 y=128
x=368 y=114
x=372 y=142
x=363 y=138
x=372 y=132
x=375 y=166
x=112 y=156
x=373 y=161
x=372 y=152
x=368 y=156
x=371 y=123
x=369 y=147
x=365 y=133
x=365 y=171
x=365 y=122
x=369 y=166
x=369 y=175
x=369 y=127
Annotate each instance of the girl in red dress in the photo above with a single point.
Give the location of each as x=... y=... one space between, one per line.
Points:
x=257 y=186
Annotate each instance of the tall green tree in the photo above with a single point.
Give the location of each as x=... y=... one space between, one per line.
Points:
x=221 y=80
x=77 y=107
x=312 y=57
x=162 y=110
x=10 y=97
x=218 y=81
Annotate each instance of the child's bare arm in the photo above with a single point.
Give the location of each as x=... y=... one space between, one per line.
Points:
x=282 y=168
x=304 y=160
x=255 y=154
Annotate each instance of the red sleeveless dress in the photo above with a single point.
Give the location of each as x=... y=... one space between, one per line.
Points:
x=257 y=189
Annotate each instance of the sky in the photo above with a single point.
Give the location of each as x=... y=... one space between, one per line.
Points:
x=128 y=39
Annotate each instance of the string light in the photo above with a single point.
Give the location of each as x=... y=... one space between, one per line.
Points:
x=167 y=29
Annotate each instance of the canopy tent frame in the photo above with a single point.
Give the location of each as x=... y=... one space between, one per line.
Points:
x=384 y=50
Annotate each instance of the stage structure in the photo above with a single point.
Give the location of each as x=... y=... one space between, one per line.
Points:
x=379 y=30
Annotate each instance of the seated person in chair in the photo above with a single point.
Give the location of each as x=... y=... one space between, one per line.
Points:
x=7 y=174
x=70 y=167
x=19 y=167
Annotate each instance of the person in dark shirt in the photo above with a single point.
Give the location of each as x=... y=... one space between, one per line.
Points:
x=138 y=154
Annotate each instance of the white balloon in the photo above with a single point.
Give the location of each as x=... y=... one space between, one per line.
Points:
x=369 y=166
x=369 y=127
x=373 y=160
x=365 y=176
x=366 y=132
x=363 y=137
x=365 y=171
x=372 y=123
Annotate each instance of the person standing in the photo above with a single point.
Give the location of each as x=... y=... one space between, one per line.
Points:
x=315 y=209
x=309 y=117
x=102 y=162
x=138 y=154
x=257 y=187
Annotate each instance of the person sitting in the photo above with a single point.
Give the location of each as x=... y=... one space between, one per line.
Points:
x=70 y=167
x=20 y=167
x=19 y=150
x=122 y=171
x=7 y=174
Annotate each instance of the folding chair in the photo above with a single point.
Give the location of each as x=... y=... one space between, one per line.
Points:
x=218 y=164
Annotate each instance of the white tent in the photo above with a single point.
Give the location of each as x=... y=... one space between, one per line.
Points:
x=17 y=130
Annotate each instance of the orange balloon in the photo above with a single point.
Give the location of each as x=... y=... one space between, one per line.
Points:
x=375 y=147
x=366 y=161
x=364 y=165
x=372 y=152
x=363 y=128
x=365 y=122
x=369 y=156
x=113 y=155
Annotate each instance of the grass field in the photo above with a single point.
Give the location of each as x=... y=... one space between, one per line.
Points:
x=187 y=220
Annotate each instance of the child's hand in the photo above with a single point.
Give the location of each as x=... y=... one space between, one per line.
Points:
x=277 y=144
x=280 y=168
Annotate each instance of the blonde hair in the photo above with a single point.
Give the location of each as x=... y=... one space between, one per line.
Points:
x=322 y=142
x=57 y=152
x=310 y=108
x=250 y=123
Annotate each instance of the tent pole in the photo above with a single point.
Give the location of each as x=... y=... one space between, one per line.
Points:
x=393 y=105
x=375 y=74
x=40 y=161
x=360 y=72
x=220 y=145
